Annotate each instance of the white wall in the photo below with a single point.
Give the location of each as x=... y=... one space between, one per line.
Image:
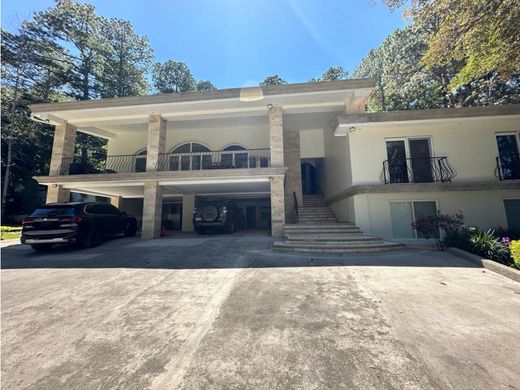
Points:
x=311 y=144
x=215 y=135
x=470 y=146
x=484 y=209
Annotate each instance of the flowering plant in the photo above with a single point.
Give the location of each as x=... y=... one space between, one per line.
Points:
x=431 y=226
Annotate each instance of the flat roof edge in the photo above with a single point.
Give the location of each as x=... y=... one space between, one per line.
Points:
x=429 y=114
x=219 y=94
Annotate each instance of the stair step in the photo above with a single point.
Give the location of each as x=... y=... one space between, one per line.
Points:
x=337 y=247
x=336 y=226
x=331 y=238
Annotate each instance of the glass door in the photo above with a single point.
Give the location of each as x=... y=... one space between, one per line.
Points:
x=509 y=159
x=397 y=168
x=420 y=160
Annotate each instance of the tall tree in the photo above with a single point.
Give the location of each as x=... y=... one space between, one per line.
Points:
x=334 y=73
x=273 y=80
x=74 y=29
x=404 y=82
x=172 y=76
x=205 y=85
x=124 y=60
x=481 y=33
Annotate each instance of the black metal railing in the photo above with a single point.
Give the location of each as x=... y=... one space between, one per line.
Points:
x=295 y=206
x=417 y=170
x=508 y=167
x=246 y=158
x=113 y=164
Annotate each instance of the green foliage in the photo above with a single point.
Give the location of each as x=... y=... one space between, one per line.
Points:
x=404 y=82
x=332 y=74
x=172 y=76
x=273 y=80
x=125 y=58
x=431 y=226
x=514 y=247
x=482 y=34
x=488 y=245
x=205 y=85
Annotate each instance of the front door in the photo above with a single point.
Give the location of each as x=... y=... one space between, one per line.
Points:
x=308 y=179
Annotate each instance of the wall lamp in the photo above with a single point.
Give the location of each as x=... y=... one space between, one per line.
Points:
x=352 y=129
x=269 y=106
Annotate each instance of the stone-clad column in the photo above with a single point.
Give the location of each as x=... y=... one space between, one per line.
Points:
x=57 y=194
x=156 y=140
x=152 y=210
x=276 y=136
x=62 y=146
x=293 y=176
x=277 y=206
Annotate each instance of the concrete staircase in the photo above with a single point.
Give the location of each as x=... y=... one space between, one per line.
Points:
x=319 y=231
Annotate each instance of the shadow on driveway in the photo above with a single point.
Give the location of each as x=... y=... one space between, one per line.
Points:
x=206 y=252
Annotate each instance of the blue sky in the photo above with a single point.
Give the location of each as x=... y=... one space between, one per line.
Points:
x=236 y=43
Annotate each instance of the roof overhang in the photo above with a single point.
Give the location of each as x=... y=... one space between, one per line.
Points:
x=350 y=123
x=95 y=116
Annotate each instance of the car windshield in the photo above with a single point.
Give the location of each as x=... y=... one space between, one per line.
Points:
x=53 y=211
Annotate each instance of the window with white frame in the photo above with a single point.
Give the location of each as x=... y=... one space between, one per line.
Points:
x=508 y=159
x=404 y=213
x=409 y=160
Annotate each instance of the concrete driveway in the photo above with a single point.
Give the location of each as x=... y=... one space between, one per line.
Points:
x=225 y=312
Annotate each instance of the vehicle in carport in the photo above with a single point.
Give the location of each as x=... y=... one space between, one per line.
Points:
x=85 y=224
x=224 y=216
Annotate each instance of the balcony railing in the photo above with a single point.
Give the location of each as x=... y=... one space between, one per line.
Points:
x=246 y=158
x=417 y=170
x=508 y=167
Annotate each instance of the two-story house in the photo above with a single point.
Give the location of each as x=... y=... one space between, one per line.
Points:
x=268 y=147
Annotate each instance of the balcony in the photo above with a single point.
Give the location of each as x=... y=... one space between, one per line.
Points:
x=237 y=159
x=508 y=167
x=417 y=170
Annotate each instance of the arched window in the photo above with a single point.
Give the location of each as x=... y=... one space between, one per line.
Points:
x=140 y=161
x=235 y=156
x=190 y=156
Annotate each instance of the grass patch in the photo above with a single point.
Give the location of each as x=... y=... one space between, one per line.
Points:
x=10 y=232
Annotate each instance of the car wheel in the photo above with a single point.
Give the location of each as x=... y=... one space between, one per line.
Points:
x=94 y=238
x=131 y=229
x=42 y=247
x=230 y=228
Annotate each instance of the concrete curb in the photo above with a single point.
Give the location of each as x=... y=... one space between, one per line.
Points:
x=491 y=265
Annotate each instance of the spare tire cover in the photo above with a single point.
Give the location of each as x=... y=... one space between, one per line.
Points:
x=209 y=213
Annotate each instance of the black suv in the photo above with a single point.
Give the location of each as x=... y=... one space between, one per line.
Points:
x=85 y=224
x=218 y=215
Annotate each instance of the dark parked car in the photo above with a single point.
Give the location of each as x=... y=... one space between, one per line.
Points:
x=86 y=224
x=217 y=215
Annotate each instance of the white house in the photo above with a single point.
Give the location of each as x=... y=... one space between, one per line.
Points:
x=271 y=148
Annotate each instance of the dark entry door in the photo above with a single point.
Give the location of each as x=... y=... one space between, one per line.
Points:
x=308 y=179
x=251 y=217
x=421 y=160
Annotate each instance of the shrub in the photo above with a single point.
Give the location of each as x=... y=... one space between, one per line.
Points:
x=488 y=245
x=514 y=247
x=432 y=225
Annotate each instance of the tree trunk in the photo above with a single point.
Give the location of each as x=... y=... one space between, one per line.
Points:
x=9 y=162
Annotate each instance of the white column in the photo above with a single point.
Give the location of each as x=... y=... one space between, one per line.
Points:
x=188 y=204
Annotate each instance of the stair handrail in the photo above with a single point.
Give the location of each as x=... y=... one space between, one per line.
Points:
x=295 y=206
